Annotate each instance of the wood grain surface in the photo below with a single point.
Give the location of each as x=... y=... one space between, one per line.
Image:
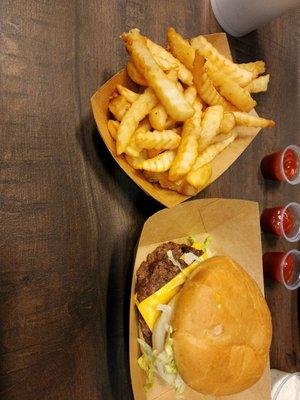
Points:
x=70 y=218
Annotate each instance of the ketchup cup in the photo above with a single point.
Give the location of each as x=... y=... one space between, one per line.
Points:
x=284 y=165
x=282 y=221
x=283 y=267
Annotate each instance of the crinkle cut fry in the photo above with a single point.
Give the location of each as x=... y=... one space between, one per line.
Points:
x=166 y=91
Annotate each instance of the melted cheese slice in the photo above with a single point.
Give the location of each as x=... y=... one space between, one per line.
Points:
x=148 y=307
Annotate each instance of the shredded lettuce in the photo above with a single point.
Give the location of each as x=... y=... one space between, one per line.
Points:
x=165 y=364
x=162 y=364
x=206 y=243
x=191 y=240
x=146 y=362
x=200 y=246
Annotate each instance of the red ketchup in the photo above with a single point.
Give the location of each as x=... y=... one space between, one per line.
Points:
x=273 y=165
x=290 y=164
x=272 y=266
x=276 y=220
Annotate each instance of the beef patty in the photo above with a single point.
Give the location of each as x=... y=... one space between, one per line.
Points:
x=156 y=271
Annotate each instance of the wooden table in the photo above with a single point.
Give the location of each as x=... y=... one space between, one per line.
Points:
x=70 y=218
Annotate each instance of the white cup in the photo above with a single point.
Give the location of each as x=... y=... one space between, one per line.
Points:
x=238 y=17
x=285 y=386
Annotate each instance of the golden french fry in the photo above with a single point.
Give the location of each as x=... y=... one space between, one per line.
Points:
x=160 y=163
x=118 y=106
x=164 y=140
x=210 y=95
x=238 y=96
x=204 y=105
x=210 y=126
x=177 y=129
x=165 y=183
x=136 y=113
x=170 y=124
x=239 y=75
x=186 y=157
x=259 y=84
x=153 y=177
x=221 y=137
x=211 y=152
x=133 y=149
x=187 y=151
x=135 y=162
x=245 y=119
x=180 y=186
x=158 y=117
x=190 y=190
x=256 y=67
x=166 y=90
x=227 y=123
x=144 y=125
x=172 y=75
x=190 y=94
x=135 y=75
x=112 y=127
x=205 y=88
x=153 y=153
x=198 y=68
x=159 y=54
x=200 y=176
x=180 y=48
x=180 y=87
x=128 y=94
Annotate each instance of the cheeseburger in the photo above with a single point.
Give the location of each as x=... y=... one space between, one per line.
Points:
x=203 y=321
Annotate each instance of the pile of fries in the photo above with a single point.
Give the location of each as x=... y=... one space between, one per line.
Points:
x=190 y=101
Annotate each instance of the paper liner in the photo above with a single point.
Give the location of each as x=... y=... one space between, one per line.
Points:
x=235 y=230
x=220 y=164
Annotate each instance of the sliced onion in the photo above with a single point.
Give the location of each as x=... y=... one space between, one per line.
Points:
x=190 y=257
x=161 y=326
x=167 y=378
x=173 y=260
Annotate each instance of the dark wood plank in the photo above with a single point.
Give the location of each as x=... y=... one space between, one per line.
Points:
x=70 y=218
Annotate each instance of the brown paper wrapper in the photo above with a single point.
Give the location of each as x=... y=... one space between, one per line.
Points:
x=235 y=230
x=220 y=164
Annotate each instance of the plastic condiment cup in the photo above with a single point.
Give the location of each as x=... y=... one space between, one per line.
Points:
x=293 y=235
x=273 y=166
x=282 y=221
x=283 y=267
x=293 y=283
x=296 y=178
